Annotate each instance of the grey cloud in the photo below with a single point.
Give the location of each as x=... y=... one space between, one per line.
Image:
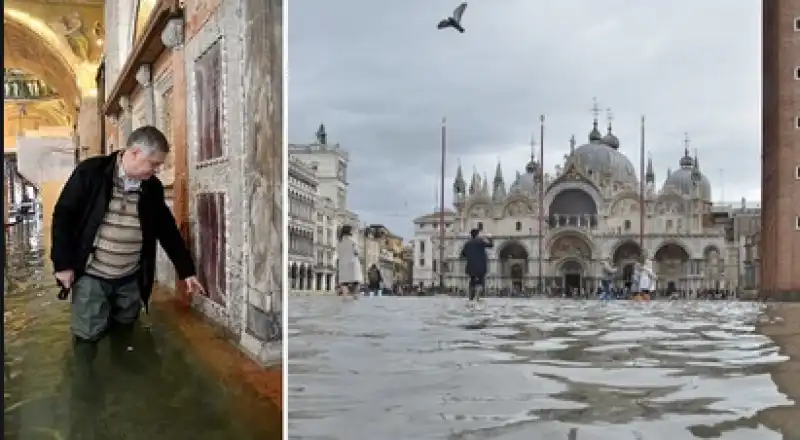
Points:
x=381 y=76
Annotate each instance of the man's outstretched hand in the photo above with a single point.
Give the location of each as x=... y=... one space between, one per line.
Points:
x=193 y=286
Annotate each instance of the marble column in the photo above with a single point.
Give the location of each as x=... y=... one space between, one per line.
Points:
x=263 y=79
x=173 y=38
x=88 y=123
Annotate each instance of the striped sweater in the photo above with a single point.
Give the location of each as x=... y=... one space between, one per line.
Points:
x=118 y=244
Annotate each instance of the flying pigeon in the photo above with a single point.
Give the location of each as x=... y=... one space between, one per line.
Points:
x=455 y=20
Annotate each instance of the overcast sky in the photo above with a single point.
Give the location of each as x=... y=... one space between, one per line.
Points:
x=381 y=76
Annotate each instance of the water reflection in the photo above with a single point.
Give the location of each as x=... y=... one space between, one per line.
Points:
x=141 y=384
x=520 y=369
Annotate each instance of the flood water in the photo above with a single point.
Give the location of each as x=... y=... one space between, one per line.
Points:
x=437 y=368
x=147 y=387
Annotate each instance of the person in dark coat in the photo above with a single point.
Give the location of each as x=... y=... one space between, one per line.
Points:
x=374 y=280
x=477 y=262
x=106 y=222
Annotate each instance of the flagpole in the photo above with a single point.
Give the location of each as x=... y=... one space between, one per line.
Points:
x=441 y=208
x=541 y=200
x=642 y=207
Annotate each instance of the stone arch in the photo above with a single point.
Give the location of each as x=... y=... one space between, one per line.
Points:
x=41 y=53
x=570 y=186
x=671 y=260
x=513 y=203
x=478 y=210
x=669 y=202
x=513 y=257
x=570 y=243
x=625 y=250
x=619 y=202
x=709 y=249
x=671 y=247
x=570 y=207
x=570 y=265
x=512 y=249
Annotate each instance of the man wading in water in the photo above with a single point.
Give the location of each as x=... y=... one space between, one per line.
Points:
x=105 y=226
x=475 y=253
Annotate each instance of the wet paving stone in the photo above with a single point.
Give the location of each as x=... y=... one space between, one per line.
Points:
x=148 y=386
x=438 y=368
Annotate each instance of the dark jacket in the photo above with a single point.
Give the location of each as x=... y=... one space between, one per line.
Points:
x=80 y=211
x=374 y=278
x=474 y=252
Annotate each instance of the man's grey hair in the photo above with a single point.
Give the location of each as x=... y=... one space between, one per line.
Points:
x=150 y=139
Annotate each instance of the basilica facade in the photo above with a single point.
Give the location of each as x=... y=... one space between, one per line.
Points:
x=558 y=230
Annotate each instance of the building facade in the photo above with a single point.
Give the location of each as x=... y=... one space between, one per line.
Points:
x=779 y=248
x=206 y=75
x=316 y=272
x=302 y=185
x=591 y=213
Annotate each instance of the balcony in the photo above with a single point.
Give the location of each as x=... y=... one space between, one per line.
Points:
x=20 y=86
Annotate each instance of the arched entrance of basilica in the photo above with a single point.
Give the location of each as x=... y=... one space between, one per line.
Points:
x=671 y=265
x=571 y=253
x=624 y=258
x=572 y=275
x=513 y=265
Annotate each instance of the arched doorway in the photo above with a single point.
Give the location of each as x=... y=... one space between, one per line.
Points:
x=624 y=259
x=572 y=276
x=573 y=207
x=513 y=265
x=574 y=247
x=293 y=275
x=671 y=264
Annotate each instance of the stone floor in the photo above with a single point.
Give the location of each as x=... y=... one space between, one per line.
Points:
x=174 y=378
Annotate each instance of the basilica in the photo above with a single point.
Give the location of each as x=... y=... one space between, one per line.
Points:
x=558 y=230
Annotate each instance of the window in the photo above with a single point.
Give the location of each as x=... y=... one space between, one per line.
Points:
x=797 y=172
x=627 y=225
x=669 y=225
x=797 y=24
x=480 y=226
x=434 y=265
x=421 y=262
x=797 y=73
x=797 y=122
x=421 y=248
x=797 y=222
x=519 y=226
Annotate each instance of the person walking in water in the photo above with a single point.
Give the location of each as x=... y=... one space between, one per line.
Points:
x=348 y=265
x=106 y=222
x=477 y=262
x=374 y=280
x=608 y=276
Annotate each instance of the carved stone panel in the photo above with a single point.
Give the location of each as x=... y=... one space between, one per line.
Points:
x=208 y=83
x=212 y=244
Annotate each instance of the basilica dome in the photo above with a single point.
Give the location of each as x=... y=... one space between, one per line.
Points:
x=597 y=157
x=683 y=179
x=529 y=182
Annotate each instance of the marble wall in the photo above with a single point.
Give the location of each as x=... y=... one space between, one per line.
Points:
x=264 y=179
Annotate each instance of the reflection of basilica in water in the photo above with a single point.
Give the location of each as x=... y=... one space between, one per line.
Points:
x=591 y=208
